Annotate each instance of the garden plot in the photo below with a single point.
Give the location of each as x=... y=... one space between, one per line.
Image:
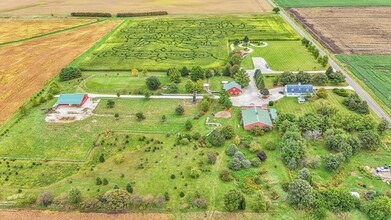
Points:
x=159 y=44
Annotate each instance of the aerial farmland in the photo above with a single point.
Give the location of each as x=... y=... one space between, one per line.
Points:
x=194 y=110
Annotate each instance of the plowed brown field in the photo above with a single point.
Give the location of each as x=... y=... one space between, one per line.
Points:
x=115 y=6
x=26 y=67
x=348 y=30
x=11 y=29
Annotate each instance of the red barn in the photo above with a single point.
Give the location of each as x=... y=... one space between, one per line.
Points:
x=76 y=100
x=233 y=88
x=256 y=116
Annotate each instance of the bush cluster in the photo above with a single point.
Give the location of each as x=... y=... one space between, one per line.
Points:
x=69 y=73
x=90 y=14
x=140 y=14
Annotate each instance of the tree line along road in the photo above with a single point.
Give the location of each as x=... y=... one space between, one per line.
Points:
x=359 y=90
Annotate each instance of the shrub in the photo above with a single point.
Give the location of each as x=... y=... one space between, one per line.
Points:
x=199 y=201
x=256 y=131
x=256 y=162
x=196 y=136
x=102 y=158
x=90 y=14
x=246 y=164
x=338 y=200
x=110 y=103
x=74 y=196
x=239 y=155
x=195 y=172
x=119 y=159
x=216 y=138
x=179 y=110
x=140 y=14
x=231 y=150
x=205 y=105
x=172 y=88
x=304 y=174
x=322 y=93
x=129 y=188
x=172 y=176
x=300 y=194
x=225 y=175
x=260 y=203
x=234 y=200
x=262 y=155
x=228 y=132
x=269 y=145
x=379 y=208
x=341 y=92
x=153 y=83
x=98 y=181
x=332 y=162
x=105 y=181
x=271 y=103
x=69 y=73
x=235 y=164
x=211 y=157
x=188 y=125
x=117 y=199
x=45 y=199
x=369 y=140
x=140 y=116
x=182 y=194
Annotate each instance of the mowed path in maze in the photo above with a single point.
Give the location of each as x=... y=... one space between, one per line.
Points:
x=27 y=66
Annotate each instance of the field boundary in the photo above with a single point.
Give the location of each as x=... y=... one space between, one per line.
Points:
x=50 y=33
x=76 y=62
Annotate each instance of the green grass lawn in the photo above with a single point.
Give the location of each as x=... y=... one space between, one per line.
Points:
x=113 y=82
x=283 y=56
x=325 y=3
x=375 y=72
x=159 y=44
x=33 y=138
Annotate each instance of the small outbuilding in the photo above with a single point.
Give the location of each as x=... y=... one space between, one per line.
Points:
x=292 y=90
x=301 y=99
x=76 y=100
x=257 y=116
x=233 y=88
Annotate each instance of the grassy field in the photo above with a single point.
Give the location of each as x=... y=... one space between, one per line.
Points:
x=374 y=71
x=158 y=44
x=71 y=141
x=113 y=82
x=325 y=3
x=284 y=56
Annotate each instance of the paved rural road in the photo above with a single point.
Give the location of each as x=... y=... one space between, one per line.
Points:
x=359 y=90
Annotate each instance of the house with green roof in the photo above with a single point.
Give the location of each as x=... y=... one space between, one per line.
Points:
x=76 y=100
x=257 y=116
x=233 y=88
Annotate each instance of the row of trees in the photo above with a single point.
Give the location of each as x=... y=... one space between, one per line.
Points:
x=307 y=78
x=322 y=60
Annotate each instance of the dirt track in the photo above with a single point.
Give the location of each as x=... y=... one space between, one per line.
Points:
x=115 y=6
x=46 y=215
x=348 y=30
x=26 y=67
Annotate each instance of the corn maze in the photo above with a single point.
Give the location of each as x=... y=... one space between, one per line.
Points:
x=159 y=44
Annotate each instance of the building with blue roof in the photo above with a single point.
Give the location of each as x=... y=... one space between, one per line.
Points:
x=292 y=90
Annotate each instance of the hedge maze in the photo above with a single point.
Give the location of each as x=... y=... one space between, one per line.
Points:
x=159 y=44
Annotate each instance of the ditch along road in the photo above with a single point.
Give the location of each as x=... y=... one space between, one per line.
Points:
x=359 y=90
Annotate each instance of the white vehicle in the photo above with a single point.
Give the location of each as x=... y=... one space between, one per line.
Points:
x=383 y=169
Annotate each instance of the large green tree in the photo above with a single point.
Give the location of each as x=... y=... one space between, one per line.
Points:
x=242 y=78
x=197 y=73
x=300 y=194
x=233 y=200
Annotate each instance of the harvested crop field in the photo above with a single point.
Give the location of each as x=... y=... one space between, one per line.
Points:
x=115 y=6
x=33 y=63
x=348 y=30
x=31 y=28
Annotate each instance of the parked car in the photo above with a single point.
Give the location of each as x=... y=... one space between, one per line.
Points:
x=383 y=169
x=281 y=92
